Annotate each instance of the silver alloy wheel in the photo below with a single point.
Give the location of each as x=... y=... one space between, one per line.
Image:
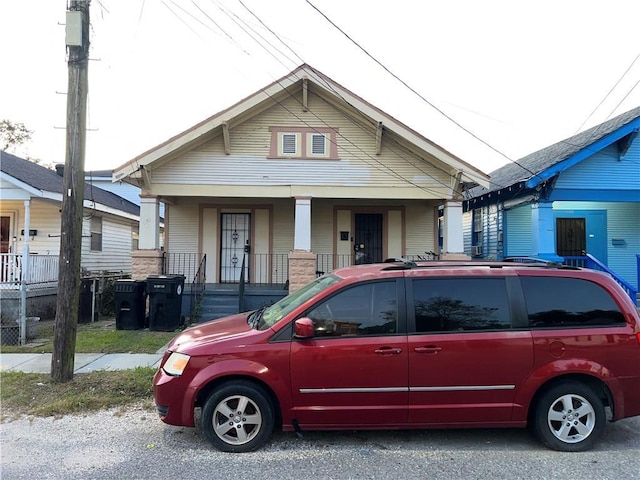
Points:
x=237 y=420
x=571 y=418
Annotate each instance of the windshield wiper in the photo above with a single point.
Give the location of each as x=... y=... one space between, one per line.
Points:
x=255 y=317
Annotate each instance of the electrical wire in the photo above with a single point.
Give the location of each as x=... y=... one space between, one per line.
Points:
x=384 y=167
x=416 y=93
x=608 y=94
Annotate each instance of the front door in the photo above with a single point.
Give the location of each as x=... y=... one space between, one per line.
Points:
x=5 y=247
x=235 y=235
x=368 y=238
x=5 y=234
x=582 y=232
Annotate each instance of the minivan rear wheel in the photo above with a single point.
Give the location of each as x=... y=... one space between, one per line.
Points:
x=569 y=417
x=238 y=417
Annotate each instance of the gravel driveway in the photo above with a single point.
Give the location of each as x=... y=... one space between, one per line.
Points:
x=132 y=443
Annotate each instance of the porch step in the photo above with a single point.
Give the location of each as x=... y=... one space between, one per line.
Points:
x=218 y=304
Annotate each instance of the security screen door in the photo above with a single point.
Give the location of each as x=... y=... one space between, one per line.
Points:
x=235 y=236
x=368 y=238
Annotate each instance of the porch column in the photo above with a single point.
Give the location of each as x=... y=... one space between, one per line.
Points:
x=149 y=232
x=24 y=276
x=302 y=232
x=147 y=260
x=302 y=262
x=543 y=232
x=452 y=238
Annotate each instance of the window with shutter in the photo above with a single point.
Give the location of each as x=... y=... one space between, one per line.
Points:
x=318 y=144
x=289 y=144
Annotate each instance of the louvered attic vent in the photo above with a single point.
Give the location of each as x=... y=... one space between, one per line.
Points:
x=289 y=144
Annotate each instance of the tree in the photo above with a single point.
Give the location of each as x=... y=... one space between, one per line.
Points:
x=13 y=134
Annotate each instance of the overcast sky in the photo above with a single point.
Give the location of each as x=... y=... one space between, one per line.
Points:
x=520 y=75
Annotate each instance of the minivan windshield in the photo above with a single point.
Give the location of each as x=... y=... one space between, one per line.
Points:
x=278 y=310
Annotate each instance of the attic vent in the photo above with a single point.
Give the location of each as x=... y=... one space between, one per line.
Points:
x=318 y=144
x=289 y=144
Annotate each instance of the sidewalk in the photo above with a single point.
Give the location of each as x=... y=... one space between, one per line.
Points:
x=83 y=362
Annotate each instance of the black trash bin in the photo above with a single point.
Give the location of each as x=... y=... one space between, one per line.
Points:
x=129 y=297
x=86 y=306
x=165 y=302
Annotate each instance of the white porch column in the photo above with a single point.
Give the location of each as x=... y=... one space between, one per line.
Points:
x=302 y=232
x=24 y=277
x=149 y=233
x=453 y=243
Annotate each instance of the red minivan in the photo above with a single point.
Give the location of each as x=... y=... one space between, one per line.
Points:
x=414 y=345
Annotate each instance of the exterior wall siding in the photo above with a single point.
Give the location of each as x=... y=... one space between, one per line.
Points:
x=518 y=231
x=467 y=225
x=605 y=170
x=248 y=163
x=115 y=255
x=45 y=218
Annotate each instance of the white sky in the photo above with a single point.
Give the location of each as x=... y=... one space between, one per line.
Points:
x=520 y=75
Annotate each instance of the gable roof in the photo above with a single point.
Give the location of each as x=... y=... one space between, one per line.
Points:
x=538 y=167
x=269 y=95
x=47 y=181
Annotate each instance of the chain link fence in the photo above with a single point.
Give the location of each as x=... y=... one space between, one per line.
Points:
x=27 y=309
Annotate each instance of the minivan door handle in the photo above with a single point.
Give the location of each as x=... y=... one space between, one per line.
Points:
x=428 y=349
x=388 y=351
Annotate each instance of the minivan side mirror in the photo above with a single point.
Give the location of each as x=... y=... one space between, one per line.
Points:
x=303 y=328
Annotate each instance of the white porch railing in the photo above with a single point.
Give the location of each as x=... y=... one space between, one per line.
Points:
x=41 y=269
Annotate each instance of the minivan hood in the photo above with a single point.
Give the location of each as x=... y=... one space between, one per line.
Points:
x=212 y=331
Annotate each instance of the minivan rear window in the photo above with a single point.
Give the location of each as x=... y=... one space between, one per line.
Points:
x=568 y=302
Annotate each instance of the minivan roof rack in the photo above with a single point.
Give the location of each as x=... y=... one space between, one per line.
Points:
x=404 y=264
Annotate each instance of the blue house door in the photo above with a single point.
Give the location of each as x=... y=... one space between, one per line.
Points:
x=579 y=232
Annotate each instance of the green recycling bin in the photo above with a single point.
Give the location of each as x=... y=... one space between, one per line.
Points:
x=130 y=302
x=165 y=302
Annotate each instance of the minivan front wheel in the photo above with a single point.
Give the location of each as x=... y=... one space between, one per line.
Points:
x=569 y=417
x=238 y=417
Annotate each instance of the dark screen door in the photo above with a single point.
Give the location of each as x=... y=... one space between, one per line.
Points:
x=571 y=237
x=368 y=238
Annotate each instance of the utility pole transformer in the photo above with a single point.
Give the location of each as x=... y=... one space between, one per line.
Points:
x=68 y=297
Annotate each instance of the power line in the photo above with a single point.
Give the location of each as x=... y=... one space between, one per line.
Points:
x=416 y=93
x=607 y=96
x=345 y=138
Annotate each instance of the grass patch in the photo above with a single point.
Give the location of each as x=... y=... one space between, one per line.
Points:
x=98 y=337
x=37 y=394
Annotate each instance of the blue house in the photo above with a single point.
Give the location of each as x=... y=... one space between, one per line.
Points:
x=577 y=202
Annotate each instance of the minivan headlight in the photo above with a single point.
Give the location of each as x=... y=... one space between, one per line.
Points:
x=175 y=364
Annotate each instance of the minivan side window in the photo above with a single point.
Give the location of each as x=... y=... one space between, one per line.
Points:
x=365 y=309
x=460 y=304
x=568 y=302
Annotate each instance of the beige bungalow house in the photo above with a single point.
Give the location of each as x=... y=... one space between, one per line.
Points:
x=299 y=178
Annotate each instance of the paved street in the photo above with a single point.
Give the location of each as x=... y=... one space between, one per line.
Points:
x=132 y=443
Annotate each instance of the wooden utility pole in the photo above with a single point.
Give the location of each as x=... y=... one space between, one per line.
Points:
x=68 y=297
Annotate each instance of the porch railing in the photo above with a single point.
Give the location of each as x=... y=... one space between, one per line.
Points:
x=327 y=262
x=42 y=269
x=259 y=269
x=186 y=264
x=197 y=289
x=589 y=261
